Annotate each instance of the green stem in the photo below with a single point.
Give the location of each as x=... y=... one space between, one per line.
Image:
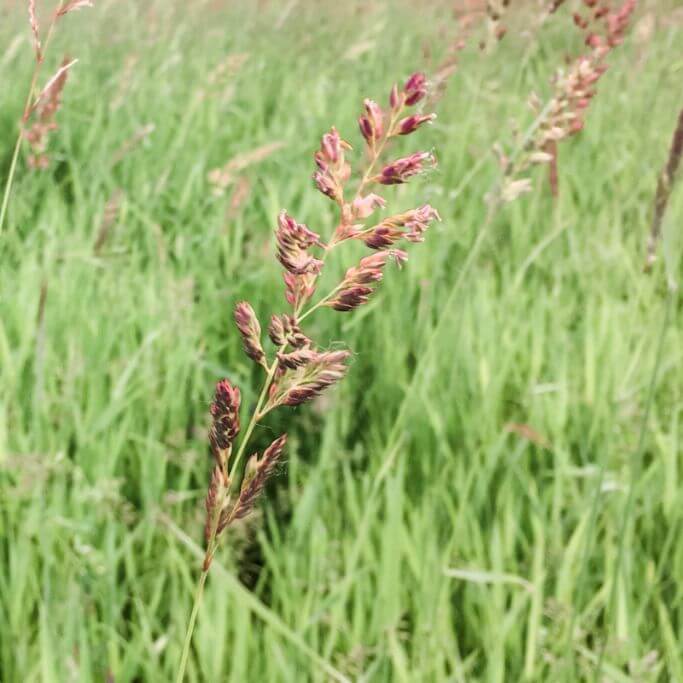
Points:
x=210 y=550
x=256 y=416
x=320 y=303
x=190 y=627
x=8 y=183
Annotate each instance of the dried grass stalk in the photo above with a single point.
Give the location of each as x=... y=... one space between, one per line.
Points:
x=73 y=5
x=35 y=30
x=45 y=107
x=665 y=184
x=109 y=217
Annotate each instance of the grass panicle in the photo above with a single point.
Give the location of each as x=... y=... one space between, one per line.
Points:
x=48 y=101
x=298 y=371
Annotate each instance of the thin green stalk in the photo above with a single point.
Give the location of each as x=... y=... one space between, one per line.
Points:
x=8 y=183
x=190 y=626
x=320 y=303
x=252 y=603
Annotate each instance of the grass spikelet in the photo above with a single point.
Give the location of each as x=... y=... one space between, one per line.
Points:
x=35 y=30
x=250 y=329
x=72 y=6
x=45 y=107
x=258 y=473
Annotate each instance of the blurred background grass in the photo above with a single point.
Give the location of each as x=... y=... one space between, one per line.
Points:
x=411 y=536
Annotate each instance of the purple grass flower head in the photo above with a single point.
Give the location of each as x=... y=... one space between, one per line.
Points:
x=351 y=298
x=415 y=88
x=410 y=225
x=257 y=474
x=410 y=124
x=248 y=325
x=297 y=358
x=332 y=170
x=372 y=123
x=293 y=242
x=295 y=387
x=382 y=236
x=359 y=281
x=363 y=207
x=284 y=330
x=299 y=288
x=225 y=416
x=402 y=169
x=418 y=220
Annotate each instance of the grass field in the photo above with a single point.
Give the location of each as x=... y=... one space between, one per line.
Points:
x=411 y=535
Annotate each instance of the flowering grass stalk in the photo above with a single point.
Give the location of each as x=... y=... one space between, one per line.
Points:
x=604 y=27
x=296 y=370
x=47 y=103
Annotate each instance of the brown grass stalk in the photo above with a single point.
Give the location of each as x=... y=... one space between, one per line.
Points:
x=665 y=184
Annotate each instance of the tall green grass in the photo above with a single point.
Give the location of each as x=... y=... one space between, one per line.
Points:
x=410 y=537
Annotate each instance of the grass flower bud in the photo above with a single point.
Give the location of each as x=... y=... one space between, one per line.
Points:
x=294 y=387
x=382 y=236
x=351 y=298
x=298 y=288
x=293 y=242
x=415 y=88
x=402 y=169
x=359 y=281
x=418 y=220
x=362 y=207
x=296 y=358
x=411 y=123
x=258 y=473
x=372 y=123
x=332 y=171
x=284 y=329
x=249 y=328
x=389 y=231
x=225 y=416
